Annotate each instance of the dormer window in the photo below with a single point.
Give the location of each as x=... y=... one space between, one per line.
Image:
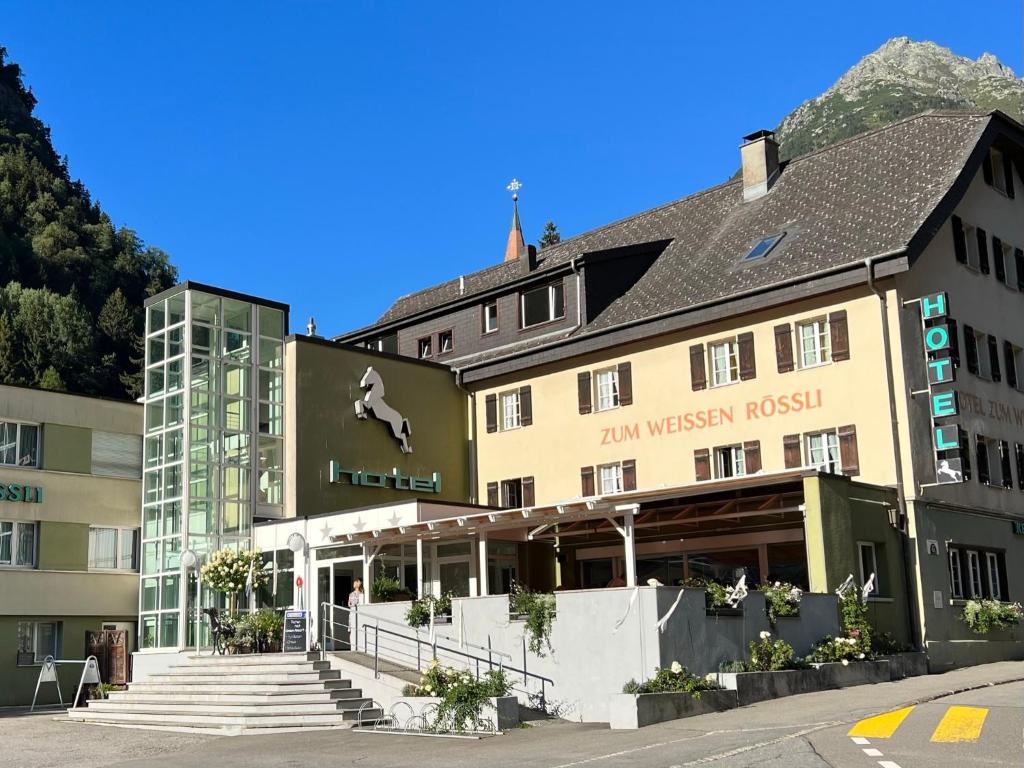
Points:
x=763 y=247
x=998 y=171
x=541 y=305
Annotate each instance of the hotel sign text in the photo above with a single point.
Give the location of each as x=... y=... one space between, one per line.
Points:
x=943 y=401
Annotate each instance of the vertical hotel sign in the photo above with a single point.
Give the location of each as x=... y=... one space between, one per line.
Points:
x=942 y=398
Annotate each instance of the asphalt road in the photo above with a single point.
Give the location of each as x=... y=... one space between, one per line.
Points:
x=808 y=731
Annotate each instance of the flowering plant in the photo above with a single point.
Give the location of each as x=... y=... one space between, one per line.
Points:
x=673 y=679
x=781 y=599
x=831 y=649
x=462 y=695
x=227 y=571
x=767 y=655
x=985 y=615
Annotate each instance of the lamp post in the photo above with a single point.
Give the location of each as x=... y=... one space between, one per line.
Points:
x=190 y=559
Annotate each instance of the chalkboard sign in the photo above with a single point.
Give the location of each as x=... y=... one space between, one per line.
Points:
x=295 y=631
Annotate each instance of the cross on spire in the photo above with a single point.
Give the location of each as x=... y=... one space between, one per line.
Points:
x=514 y=186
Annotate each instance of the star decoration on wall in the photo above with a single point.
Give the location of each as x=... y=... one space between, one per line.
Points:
x=325 y=532
x=394 y=520
x=359 y=524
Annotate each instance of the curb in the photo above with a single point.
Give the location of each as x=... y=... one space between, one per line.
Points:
x=962 y=689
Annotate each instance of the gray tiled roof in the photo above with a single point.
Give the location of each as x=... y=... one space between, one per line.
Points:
x=858 y=198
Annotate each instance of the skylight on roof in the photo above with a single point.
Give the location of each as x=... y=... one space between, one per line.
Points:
x=764 y=246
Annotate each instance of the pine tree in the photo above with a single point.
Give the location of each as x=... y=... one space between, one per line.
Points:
x=52 y=380
x=550 y=236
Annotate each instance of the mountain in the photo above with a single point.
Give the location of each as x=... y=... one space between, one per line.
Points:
x=71 y=283
x=900 y=79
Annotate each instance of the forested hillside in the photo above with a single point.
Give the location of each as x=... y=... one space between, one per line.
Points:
x=71 y=283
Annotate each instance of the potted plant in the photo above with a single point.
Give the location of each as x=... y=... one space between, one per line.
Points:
x=982 y=616
x=418 y=614
x=229 y=572
x=537 y=609
x=672 y=693
x=781 y=599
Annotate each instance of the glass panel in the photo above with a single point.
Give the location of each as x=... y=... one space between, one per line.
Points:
x=450 y=550
x=271 y=353
x=175 y=342
x=151 y=522
x=174 y=412
x=206 y=308
x=202 y=480
x=151 y=557
x=271 y=453
x=156 y=349
x=156 y=317
x=455 y=578
x=235 y=483
x=272 y=386
x=200 y=519
x=148 y=639
x=151 y=485
x=154 y=415
x=175 y=374
x=236 y=346
x=8 y=443
x=169 y=597
x=270 y=487
x=172 y=518
x=153 y=453
x=155 y=381
x=204 y=444
x=6 y=537
x=174 y=445
x=204 y=339
x=237 y=315
x=172 y=553
x=236 y=380
x=236 y=518
x=26 y=543
x=172 y=481
x=102 y=547
x=271 y=419
x=332 y=553
x=204 y=374
x=28 y=444
x=236 y=415
x=271 y=322
x=149 y=594
x=168 y=629
x=176 y=309
x=236 y=449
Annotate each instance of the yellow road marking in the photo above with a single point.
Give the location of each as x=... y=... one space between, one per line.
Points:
x=880 y=726
x=960 y=724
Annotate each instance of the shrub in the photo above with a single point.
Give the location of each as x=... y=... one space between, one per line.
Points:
x=418 y=614
x=767 y=655
x=830 y=649
x=539 y=609
x=228 y=571
x=673 y=679
x=983 y=616
x=716 y=596
x=781 y=599
x=462 y=696
x=853 y=615
x=385 y=588
x=733 y=666
x=885 y=644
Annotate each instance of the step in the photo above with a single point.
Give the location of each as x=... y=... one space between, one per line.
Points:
x=196 y=697
x=246 y=677
x=199 y=686
x=230 y=708
x=247 y=669
x=250 y=658
x=216 y=721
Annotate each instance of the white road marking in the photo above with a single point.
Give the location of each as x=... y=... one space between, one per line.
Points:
x=859 y=740
x=888 y=764
x=873 y=752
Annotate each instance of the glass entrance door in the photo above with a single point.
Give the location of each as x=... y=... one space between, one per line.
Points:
x=333 y=585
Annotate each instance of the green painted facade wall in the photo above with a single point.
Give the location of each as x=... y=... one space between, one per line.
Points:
x=840 y=513
x=67 y=449
x=327 y=387
x=63 y=546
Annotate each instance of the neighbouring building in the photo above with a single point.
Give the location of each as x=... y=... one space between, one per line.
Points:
x=70 y=469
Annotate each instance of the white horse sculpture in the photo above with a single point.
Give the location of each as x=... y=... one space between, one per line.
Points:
x=373 y=403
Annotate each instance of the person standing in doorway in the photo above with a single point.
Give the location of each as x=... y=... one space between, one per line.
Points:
x=356 y=597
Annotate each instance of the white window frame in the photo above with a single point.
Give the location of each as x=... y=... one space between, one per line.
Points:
x=861 y=546
x=980 y=341
x=724 y=362
x=121 y=532
x=956 y=575
x=40 y=654
x=450 y=336
x=821 y=342
x=971 y=244
x=606 y=389
x=14 y=535
x=488 y=328
x=730 y=461
x=609 y=478
x=1009 y=265
x=511 y=410
x=826 y=463
x=18 y=443
x=992 y=568
x=976 y=585
x=551 y=289
x=429 y=347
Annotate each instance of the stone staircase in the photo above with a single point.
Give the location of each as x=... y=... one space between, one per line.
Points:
x=234 y=695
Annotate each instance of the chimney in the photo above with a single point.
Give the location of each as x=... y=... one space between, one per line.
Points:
x=759 y=153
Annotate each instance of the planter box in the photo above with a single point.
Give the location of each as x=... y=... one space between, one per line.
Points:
x=503 y=713
x=760 y=686
x=631 y=711
x=836 y=675
x=903 y=665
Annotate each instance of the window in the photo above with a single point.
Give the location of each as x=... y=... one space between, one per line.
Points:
x=607 y=385
x=512 y=493
x=974 y=574
x=979 y=359
x=815 y=343
x=1006 y=264
x=973 y=254
x=424 y=348
x=868 y=565
x=17 y=544
x=994 y=462
x=387 y=343
x=611 y=478
x=19 y=444
x=999 y=171
x=955 y=574
x=729 y=461
x=992 y=569
x=113 y=548
x=37 y=640
x=510 y=410
x=823 y=452
x=444 y=342
x=1014 y=361
x=725 y=362
x=542 y=305
x=490 y=320
x=763 y=247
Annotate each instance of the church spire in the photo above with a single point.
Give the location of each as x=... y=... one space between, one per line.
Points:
x=515 y=245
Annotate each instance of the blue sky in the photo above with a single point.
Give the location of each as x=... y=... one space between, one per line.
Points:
x=334 y=155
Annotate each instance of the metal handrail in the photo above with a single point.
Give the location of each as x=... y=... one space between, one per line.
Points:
x=419 y=629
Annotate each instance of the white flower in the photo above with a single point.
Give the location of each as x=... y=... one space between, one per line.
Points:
x=711 y=677
x=860 y=655
x=676 y=668
x=846 y=662
x=778 y=584
x=765 y=635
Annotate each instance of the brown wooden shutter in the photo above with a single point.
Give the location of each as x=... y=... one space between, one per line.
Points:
x=583 y=388
x=981 y=449
x=840 y=335
x=752 y=456
x=528 y=496
x=784 y=348
x=491 y=408
x=1008 y=172
x=587 y=481
x=971 y=347
x=986 y=168
x=629 y=475
x=698 y=371
x=525 y=406
x=959 y=244
x=791 y=451
x=625 y=384
x=492 y=494
x=983 y=251
x=1018 y=258
x=954 y=341
x=748 y=365
x=993 y=358
x=1004 y=457
x=848 y=450
x=997 y=257
x=702 y=464
x=965 y=454
x=1011 y=364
